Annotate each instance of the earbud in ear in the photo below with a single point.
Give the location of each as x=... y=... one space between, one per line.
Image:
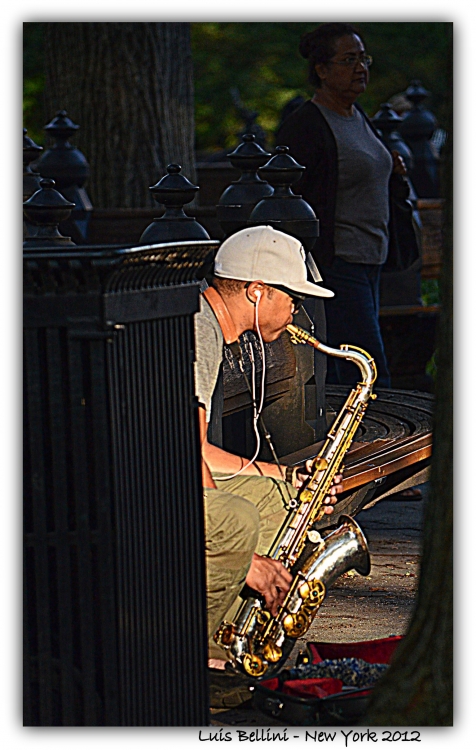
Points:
x=258 y=295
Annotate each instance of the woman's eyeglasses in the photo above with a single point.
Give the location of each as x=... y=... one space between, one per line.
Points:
x=349 y=62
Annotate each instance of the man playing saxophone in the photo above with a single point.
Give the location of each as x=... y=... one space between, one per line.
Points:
x=260 y=280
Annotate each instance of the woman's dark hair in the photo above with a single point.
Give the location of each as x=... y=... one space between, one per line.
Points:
x=318 y=46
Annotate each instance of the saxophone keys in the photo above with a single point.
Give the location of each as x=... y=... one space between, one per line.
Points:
x=304 y=590
x=262 y=616
x=317 y=592
x=295 y=624
x=254 y=665
x=320 y=464
x=225 y=634
x=314 y=537
x=306 y=496
x=312 y=592
x=271 y=652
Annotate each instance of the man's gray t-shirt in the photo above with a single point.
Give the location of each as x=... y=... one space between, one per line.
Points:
x=208 y=354
x=362 y=206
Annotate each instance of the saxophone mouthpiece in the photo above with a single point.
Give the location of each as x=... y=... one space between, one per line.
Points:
x=300 y=336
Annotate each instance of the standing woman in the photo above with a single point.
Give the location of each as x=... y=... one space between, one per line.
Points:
x=348 y=180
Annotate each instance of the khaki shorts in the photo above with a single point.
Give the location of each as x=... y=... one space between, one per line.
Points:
x=242 y=516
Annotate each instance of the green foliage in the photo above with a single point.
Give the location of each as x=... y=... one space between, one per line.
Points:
x=263 y=62
x=403 y=52
x=259 y=59
x=430 y=292
x=33 y=81
x=32 y=110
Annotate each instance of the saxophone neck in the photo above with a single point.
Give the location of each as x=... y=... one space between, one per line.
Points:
x=354 y=354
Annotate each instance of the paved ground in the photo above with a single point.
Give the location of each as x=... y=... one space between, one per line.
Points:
x=358 y=608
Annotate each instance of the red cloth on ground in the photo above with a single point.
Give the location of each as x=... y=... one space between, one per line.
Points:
x=314 y=687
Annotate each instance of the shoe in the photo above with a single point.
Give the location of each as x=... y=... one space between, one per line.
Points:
x=228 y=689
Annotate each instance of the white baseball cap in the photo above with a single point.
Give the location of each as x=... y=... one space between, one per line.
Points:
x=265 y=254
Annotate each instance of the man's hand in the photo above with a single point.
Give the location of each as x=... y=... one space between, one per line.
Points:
x=271 y=579
x=302 y=477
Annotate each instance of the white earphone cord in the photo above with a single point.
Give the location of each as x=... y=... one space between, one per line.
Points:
x=256 y=412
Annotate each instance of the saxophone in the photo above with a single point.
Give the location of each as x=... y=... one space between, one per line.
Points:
x=257 y=642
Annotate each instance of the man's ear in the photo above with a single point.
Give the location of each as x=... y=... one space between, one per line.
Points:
x=254 y=291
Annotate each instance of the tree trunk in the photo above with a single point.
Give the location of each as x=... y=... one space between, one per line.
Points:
x=129 y=86
x=417 y=690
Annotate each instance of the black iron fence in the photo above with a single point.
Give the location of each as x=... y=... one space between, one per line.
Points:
x=114 y=587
